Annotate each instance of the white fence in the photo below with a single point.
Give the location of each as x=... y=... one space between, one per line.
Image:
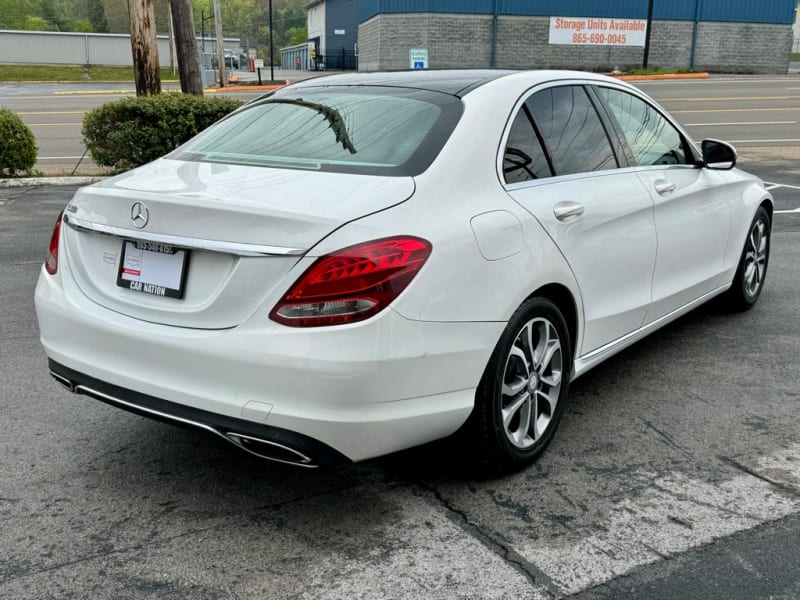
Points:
x=52 y=47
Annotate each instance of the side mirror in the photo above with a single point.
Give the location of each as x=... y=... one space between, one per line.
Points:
x=718 y=155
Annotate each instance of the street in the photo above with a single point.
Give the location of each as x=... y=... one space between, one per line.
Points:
x=759 y=115
x=675 y=472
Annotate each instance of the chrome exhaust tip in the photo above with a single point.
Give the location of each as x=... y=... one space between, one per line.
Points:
x=63 y=381
x=273 y=451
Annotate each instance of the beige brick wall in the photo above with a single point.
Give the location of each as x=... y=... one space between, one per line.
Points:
x=458 y=40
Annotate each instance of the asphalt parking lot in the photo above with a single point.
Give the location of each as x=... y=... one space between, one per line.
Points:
x=675 y=473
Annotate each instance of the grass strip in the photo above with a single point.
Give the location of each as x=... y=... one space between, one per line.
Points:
x=70 y=73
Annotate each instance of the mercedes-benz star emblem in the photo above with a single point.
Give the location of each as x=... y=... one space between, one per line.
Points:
x=139 y=214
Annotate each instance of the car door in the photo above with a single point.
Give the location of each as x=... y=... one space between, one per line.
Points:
x=559 y=163
x=692 y=215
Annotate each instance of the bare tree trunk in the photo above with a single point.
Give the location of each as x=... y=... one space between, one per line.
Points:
x=186 y=42
x=220 y=42
x=146 y=68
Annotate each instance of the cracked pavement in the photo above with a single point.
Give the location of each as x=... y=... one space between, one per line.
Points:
x=675 y=473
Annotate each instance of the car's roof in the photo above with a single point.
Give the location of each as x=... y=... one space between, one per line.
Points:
x=456 y=82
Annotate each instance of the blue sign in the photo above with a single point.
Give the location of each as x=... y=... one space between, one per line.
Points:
x=419 y=64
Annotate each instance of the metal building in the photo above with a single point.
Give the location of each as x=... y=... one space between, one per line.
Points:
x=333 y=29
x=719 y=35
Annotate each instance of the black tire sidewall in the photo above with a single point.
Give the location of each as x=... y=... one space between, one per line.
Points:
x=498 y=450
x=741 y=297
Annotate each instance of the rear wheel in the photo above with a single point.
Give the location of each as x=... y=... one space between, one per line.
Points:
x=752 y=270
x=523 y=390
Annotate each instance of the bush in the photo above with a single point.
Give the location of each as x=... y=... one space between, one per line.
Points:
x=17 y=145
x=133 y=131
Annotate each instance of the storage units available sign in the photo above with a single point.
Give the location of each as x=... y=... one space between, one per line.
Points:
x=586 y=31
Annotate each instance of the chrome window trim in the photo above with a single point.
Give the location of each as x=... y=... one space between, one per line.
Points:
x=183 y=242
x=590 y=83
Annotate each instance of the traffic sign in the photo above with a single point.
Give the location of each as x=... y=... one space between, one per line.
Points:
x=418 y=58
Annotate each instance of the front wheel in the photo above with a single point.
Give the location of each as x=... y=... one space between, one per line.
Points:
x=521 y=396
x=752 y=270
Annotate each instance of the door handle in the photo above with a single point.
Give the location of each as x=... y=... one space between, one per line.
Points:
x=565 y=210
x=662 y=186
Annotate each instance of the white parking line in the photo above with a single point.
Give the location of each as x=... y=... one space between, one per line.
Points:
x=57 y=157
x=742 y=123
x=786 y=212
x=676 y=512
x=786 y=185
x=764 y=141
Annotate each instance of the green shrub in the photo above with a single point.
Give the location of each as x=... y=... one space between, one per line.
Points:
x=17 y=145
x=133 y=131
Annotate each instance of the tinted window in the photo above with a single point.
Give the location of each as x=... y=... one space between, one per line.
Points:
x=371 y=130
x=652 y=139
x=523 y=158
x=572 y=130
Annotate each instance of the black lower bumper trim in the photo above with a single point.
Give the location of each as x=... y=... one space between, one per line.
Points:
x=186 y=416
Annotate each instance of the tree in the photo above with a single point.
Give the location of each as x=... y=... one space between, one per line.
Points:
x=82 y=25
x=146 y=68
x=186 y=47
x=97 y=16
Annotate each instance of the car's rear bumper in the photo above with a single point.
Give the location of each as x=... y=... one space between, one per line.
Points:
x=264 y=441
x=360 y=390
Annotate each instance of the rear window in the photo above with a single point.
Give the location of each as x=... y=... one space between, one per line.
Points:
x=367 y=130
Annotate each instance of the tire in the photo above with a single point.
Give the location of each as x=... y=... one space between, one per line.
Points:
x=511 y=395
x=752 y=270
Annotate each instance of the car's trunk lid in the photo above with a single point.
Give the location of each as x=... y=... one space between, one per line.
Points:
x=243 y=227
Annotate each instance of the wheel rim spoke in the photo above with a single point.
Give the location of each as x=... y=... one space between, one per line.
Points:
x=513 y=389
x=519 y=353
x=512 y=409
x=521 y=434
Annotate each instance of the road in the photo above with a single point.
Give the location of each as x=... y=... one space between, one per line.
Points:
x=675 y=474
x=760 y=115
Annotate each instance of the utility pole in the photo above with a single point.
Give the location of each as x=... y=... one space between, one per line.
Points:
x=146 y=67
x=186 y=47
x=220 y=43
x=271 y=49
x=646 y=57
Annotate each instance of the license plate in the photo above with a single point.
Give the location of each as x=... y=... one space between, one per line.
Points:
x=152 y=268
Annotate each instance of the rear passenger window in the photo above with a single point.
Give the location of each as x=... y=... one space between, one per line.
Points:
x=572 y=130
x=524 y=158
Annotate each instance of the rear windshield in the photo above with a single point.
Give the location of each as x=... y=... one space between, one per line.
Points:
x=368 y=130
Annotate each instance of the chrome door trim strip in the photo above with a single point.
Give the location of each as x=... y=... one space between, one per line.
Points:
x=183 y=242
x=593 y=358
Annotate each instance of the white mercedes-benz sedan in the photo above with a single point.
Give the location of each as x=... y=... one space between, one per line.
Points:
x=361 y=263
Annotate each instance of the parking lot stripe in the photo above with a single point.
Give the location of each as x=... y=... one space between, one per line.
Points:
x=742 y=123
x=786 y=185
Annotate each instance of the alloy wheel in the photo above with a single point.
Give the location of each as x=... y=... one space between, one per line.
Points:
x=755 y=258
x=531 y=382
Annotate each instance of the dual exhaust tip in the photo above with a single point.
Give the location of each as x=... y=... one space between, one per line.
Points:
x=266 y=449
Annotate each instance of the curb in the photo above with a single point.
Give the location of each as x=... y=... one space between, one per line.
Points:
x=247 y=88
x=662 y=76
x=233 y=88
x=38 y=181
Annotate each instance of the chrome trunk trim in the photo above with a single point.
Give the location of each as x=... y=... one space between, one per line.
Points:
x=183 y=242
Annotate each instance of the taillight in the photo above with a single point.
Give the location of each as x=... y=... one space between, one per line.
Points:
x=51 y=264
x=352 y=284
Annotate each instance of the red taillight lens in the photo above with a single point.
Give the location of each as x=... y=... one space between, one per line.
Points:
x=51 y=264
x=352 y=284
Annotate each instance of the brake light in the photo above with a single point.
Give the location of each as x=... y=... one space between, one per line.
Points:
x=51 y=264
x=352 y=284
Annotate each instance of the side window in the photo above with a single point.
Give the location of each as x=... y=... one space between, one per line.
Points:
x=572 y=130
x=523 y=158
x=652 y=139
